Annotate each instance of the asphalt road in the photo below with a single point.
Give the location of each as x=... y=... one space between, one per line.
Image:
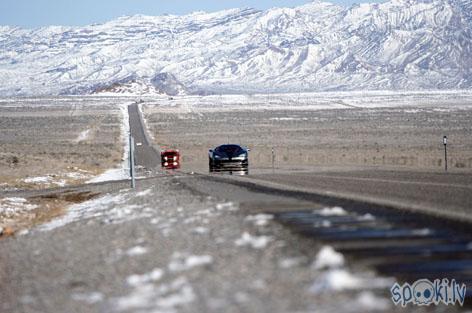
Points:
x=443 y=194
x=145 y=154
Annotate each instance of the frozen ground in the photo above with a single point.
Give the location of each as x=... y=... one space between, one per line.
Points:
x=165 y=248
x=122 y=172
x=51 y=142
x=57 y=142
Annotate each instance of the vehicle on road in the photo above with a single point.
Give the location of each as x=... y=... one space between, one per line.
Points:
x=229 y=158
x=170 y=159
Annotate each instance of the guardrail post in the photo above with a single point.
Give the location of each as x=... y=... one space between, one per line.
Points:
x=445 y=152
x=131 y=162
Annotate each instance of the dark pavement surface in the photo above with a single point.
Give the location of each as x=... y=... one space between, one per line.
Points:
x=145 y=154
x=444 y=194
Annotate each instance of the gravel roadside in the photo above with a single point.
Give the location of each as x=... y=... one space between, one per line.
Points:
x=168 y=248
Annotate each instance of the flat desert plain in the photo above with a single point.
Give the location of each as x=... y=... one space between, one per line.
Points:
x=50 y=142
x=315 y=131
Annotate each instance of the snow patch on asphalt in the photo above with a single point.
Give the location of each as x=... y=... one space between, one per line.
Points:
x=334 y=211
x=341 y=279
x=336 y=280
x=256 y=242
x=367 y=217
x=327 y=257
x=333 y=277
x=260 y=219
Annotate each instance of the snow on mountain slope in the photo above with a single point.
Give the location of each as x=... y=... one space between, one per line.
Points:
x=401 y=44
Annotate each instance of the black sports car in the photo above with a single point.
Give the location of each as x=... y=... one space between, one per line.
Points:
x=231 y=158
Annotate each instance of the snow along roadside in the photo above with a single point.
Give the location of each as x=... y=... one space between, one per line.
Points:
x=146 y=124
x=123 y=171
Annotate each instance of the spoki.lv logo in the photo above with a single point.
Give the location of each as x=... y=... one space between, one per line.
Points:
x=424 y=292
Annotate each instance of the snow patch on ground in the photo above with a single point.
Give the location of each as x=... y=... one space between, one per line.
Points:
x=90 y=298
x=38 y=180
x=367 y=300
x=122 y=172
x=78 y=175
x=138 y=280
x=290 y=262
x=181 y=262
x=256 y=242
x=111 y=208
x=135 y=251
x=157 y=298
x=226 y=206
x=200 y=230
x=145 y=121
x=60 y=179
x=84 y=135
x=144 y=193
x=11 y=207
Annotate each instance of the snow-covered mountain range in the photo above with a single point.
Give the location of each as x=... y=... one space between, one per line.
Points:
x=400 y=44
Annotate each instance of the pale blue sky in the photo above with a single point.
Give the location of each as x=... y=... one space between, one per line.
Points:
x=36 y=13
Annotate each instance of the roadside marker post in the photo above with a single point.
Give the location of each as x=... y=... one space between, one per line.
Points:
x=445 y=152
x=273 y=160
x=131 y=162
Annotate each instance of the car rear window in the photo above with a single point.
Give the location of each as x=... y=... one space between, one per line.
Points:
x=230 y=149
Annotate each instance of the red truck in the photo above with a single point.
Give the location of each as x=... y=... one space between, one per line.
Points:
x=170 y=159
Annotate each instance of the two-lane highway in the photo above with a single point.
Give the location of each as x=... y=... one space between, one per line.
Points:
x=145 y=154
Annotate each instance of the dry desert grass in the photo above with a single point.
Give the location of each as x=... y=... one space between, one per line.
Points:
x=53 y=142
x=398 y=137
